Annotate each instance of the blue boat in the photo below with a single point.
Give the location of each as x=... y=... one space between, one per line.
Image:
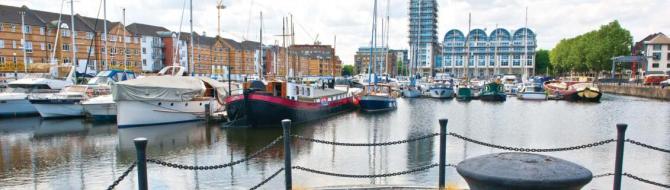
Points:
x=377 y=98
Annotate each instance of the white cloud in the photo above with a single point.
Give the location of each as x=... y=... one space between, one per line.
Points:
x=351 y=20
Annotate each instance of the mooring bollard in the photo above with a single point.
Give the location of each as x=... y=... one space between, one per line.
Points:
x=208 y=113
x=286 y=125
x=618 y=162
x=140 y=148
x=443 y=152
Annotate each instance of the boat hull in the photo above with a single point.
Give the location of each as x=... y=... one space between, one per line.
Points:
x=533 y=96
x=58 y=108
x=377 y=103
x=16 y=107
x=493 y=97
x=585 y=95
x=102 y=111
x=143 y=113
x=407 y=93
x=441 y=93
x=267 y=110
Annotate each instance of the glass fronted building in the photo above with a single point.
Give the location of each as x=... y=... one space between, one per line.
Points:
x=423 y=41
x=486 y=55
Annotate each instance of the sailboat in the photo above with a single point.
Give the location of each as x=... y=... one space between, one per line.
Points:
x=266 y=102
x=15 y=100
x=412 y=90
x=376 y=97
x=464 y=91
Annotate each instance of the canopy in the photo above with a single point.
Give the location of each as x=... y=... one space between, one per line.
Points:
x=163 y=88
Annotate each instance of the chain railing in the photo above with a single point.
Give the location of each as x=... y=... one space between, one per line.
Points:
x=219 y=166
x=123 y=176
x=287 y=169
x=518 y=149
x=366 y=144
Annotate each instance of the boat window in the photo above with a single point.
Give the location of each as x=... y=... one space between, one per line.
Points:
x=171 y=104
x=159 y=103
x=103 y=74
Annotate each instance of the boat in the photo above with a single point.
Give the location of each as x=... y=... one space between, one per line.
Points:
x=441 y=90
x=167 y=98
x=531 y=91
x=267 y=103
x=493 y=91
x=582 y=92
x=67 y=102
x=510 y=84
x=464 y=93
x=103 y=107
x=377 y=98
x=14 y=101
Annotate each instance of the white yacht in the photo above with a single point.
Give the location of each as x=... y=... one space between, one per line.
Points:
x=441 y=90
x=530 y=91
x=510 y=84
x=66 y=103
x=103 y=107
x=14 y=101
x=170 y=98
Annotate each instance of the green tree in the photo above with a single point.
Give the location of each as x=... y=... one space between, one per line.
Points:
x=542 y=62
x=402 y=68
x=347 y=70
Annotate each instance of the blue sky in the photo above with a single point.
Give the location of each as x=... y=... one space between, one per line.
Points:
x=351 y=20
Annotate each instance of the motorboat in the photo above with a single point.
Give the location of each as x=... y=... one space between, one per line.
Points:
x=103 y=107
x=441 y=90
x=510 y=84
x=14 y=101
x=267 y=103
x=582 y=92
x=167 y=98
x=67 y=102
x=377 y=98
x=493 y=91
x=531 y=91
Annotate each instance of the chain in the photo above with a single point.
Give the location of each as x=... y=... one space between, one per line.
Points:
x=187 y=167
x=267 y=179
x=603 y=175
x=125 y=173
x=646 y=180
x=366 y=176
x=647 y=146
x=533 y=149
x=366 y=144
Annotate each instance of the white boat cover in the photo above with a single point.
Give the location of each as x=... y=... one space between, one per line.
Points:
x=165 y=88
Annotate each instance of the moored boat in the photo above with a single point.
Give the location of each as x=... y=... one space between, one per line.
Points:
x=531 y=91
x=103 y=107
x=464 y=93
x=493 y=91
x=267 y=103
x=584 y=92
x=377 y=98
x=441 y=90
x=66 y=103
x=14 y=101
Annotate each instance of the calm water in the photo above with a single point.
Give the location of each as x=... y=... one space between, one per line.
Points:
x=77 y=154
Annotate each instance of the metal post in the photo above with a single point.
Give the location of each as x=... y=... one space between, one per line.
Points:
x=443 y=152
x=286 y=125
x=618 y=163
x=140 y=148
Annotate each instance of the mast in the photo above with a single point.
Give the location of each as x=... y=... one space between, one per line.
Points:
x=260 y=51
x=388 y=28
x=381 y=63
x=192 y=65
x=372 y=41
x=496 y=67
x=74 y=46
x=104 y=27
x=53 y=65
x=125 y=50
x=23 y=42
x=525 y=47
x=283 y=38
x=467 y=49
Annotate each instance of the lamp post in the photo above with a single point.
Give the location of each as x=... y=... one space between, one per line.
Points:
x=16 y=76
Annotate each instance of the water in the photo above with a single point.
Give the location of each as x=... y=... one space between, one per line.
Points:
x=78 y=154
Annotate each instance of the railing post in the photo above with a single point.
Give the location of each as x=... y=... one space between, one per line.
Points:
x=140 y=148
x=286 y=125
x=618 y=163
x=443 y=152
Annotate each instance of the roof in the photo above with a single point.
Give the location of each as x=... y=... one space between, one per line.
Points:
x=250 y=45
x=10 y=14
x=145 y=29
x=659 y=39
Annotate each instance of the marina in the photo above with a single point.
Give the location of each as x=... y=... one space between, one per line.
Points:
x=80 y=154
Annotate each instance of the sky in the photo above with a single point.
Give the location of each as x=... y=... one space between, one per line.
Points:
x=351 y=20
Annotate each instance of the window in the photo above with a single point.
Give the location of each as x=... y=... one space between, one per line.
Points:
x=13 y=27
x=66 y=47
x=49 y=46
x=654 y=65
x=126 y=39
x=26 y=29
x=667 y=65
x=144 y=62
x=65 y=33
x=144 y=50
x=102 y=49
x=89 y=35
x=1 y=27
x=14 y=44
x=66 y=60
x=657 y=46
x=2 y=60
x=2 y=43
x=144 y=39
x=668 y=56
x=113 y=38
x=90 y=49
x=104 y=36
x=42 y=46
x=656 y=56
x=42 y=30
x=112 y=51
x=28 y=46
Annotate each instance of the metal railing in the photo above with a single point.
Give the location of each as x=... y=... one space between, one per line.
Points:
x=140 y=145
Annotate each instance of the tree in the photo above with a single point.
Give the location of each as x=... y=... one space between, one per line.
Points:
x=542 y=62
x=402 y=68
x=347 y=70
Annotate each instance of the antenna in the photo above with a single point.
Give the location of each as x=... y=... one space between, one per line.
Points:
x=219 y=7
